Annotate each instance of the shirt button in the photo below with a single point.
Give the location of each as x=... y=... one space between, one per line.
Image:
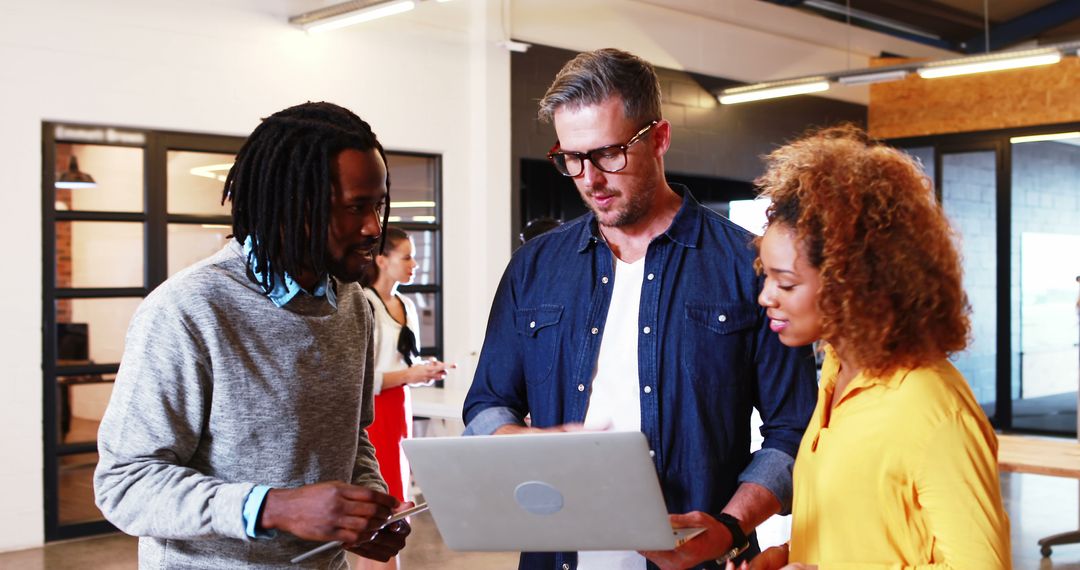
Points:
x=722 y=318
x=604 y=280
x=650 y=277
x=646 y=330
x=652 y=453
x=580 y=387
x=532 y=325
x=595 y=330
x=565 y=566
x=648 y=389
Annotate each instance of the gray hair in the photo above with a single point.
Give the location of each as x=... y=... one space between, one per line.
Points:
x=595 y=76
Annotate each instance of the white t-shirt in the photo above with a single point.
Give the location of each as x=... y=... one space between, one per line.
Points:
x=615 y=398
x=387 y=357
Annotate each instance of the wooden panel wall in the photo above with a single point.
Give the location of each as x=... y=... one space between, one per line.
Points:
x=1023 y=97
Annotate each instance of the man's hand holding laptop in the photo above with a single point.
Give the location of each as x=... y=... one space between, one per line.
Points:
x=709 y=545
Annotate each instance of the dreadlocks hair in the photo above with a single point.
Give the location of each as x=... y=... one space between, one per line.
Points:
x=280 y=187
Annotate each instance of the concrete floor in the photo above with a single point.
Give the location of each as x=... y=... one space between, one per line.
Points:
x=1037 y=506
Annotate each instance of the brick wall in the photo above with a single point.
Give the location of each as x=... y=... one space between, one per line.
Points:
x=63 y=238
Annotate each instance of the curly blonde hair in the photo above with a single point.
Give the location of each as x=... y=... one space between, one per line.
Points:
x=868 y=219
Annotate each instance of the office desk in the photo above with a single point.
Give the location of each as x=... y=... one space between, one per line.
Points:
x=1055 y=457
x=442 y=407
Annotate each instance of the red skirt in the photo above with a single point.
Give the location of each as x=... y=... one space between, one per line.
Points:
x=392 y=423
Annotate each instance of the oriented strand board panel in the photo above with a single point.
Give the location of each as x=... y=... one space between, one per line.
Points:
x=1023 y=97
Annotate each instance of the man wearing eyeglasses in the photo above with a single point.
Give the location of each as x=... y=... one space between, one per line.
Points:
x=641 y=315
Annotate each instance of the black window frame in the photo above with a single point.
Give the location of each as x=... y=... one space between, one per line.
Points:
x=155 y=221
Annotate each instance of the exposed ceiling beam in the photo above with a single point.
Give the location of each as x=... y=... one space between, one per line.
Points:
x=1025 y=27
x=837 y=9
x=935 y=10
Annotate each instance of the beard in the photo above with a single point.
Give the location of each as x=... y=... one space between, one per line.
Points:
x=635 y=205
x=351 y=266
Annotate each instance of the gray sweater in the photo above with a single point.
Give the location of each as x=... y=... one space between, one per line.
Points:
x=220 y=390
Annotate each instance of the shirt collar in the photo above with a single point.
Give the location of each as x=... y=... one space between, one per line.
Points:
x=830 y=372
x=685 y=228
x=286 y=288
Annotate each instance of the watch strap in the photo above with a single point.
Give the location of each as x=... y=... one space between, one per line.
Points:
x=739 y=541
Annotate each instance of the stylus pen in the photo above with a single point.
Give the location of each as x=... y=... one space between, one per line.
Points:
x=337 y=543
x=314 y=551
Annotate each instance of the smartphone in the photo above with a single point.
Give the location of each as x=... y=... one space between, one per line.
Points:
x=337 y=543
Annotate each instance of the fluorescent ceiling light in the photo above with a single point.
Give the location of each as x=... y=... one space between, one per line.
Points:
x=350 y=13
x=772 y=90
x=873 y=77
x=988 y=63
x=1046 y=137
x=416 y=204
x=423 y=218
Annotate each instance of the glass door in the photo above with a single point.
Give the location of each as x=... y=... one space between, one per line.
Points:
x=1014 y=198
x=1045 y=252
x=968 y=188
x=122 y=209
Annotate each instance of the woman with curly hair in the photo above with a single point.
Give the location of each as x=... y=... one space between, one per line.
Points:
x=898 y=467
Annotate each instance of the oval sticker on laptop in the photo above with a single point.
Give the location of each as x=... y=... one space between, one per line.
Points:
x=538 y=498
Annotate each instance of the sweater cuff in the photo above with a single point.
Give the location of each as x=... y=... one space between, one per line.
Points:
x=226 y=509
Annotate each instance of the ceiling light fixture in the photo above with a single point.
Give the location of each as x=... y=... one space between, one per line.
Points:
x=349 y=13
x=74 y=178
x=945 y=68
x=987 y=63
x=759 y=91
x=1046 y=137
x=864 y=78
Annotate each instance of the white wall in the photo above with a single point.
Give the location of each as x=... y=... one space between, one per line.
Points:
x=216 y=67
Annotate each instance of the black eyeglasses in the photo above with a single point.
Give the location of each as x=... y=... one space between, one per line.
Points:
x=610 y=158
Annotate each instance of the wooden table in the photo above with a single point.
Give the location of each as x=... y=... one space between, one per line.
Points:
x=1055 y=457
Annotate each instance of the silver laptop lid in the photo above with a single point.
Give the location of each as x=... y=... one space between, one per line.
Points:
x=543 y=492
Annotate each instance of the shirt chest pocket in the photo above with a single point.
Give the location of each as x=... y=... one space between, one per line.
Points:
x=717 y=339
x=539 y=327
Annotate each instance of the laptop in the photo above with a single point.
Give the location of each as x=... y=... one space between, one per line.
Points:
x=544 y=492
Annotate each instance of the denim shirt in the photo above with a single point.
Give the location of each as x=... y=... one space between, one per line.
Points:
x=706 y=357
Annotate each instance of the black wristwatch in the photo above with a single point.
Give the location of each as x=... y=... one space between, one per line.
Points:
x=739 y=542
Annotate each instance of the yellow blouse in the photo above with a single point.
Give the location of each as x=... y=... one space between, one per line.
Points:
x=903 y=475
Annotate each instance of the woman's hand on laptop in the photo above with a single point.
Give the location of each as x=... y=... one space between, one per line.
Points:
x=709 y=545
x=773 y=558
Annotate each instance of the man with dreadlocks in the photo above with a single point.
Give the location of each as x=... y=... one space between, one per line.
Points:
x=235 y=434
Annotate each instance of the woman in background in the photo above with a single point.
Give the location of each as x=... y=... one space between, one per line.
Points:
x=397 y=361
x=898 y=467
